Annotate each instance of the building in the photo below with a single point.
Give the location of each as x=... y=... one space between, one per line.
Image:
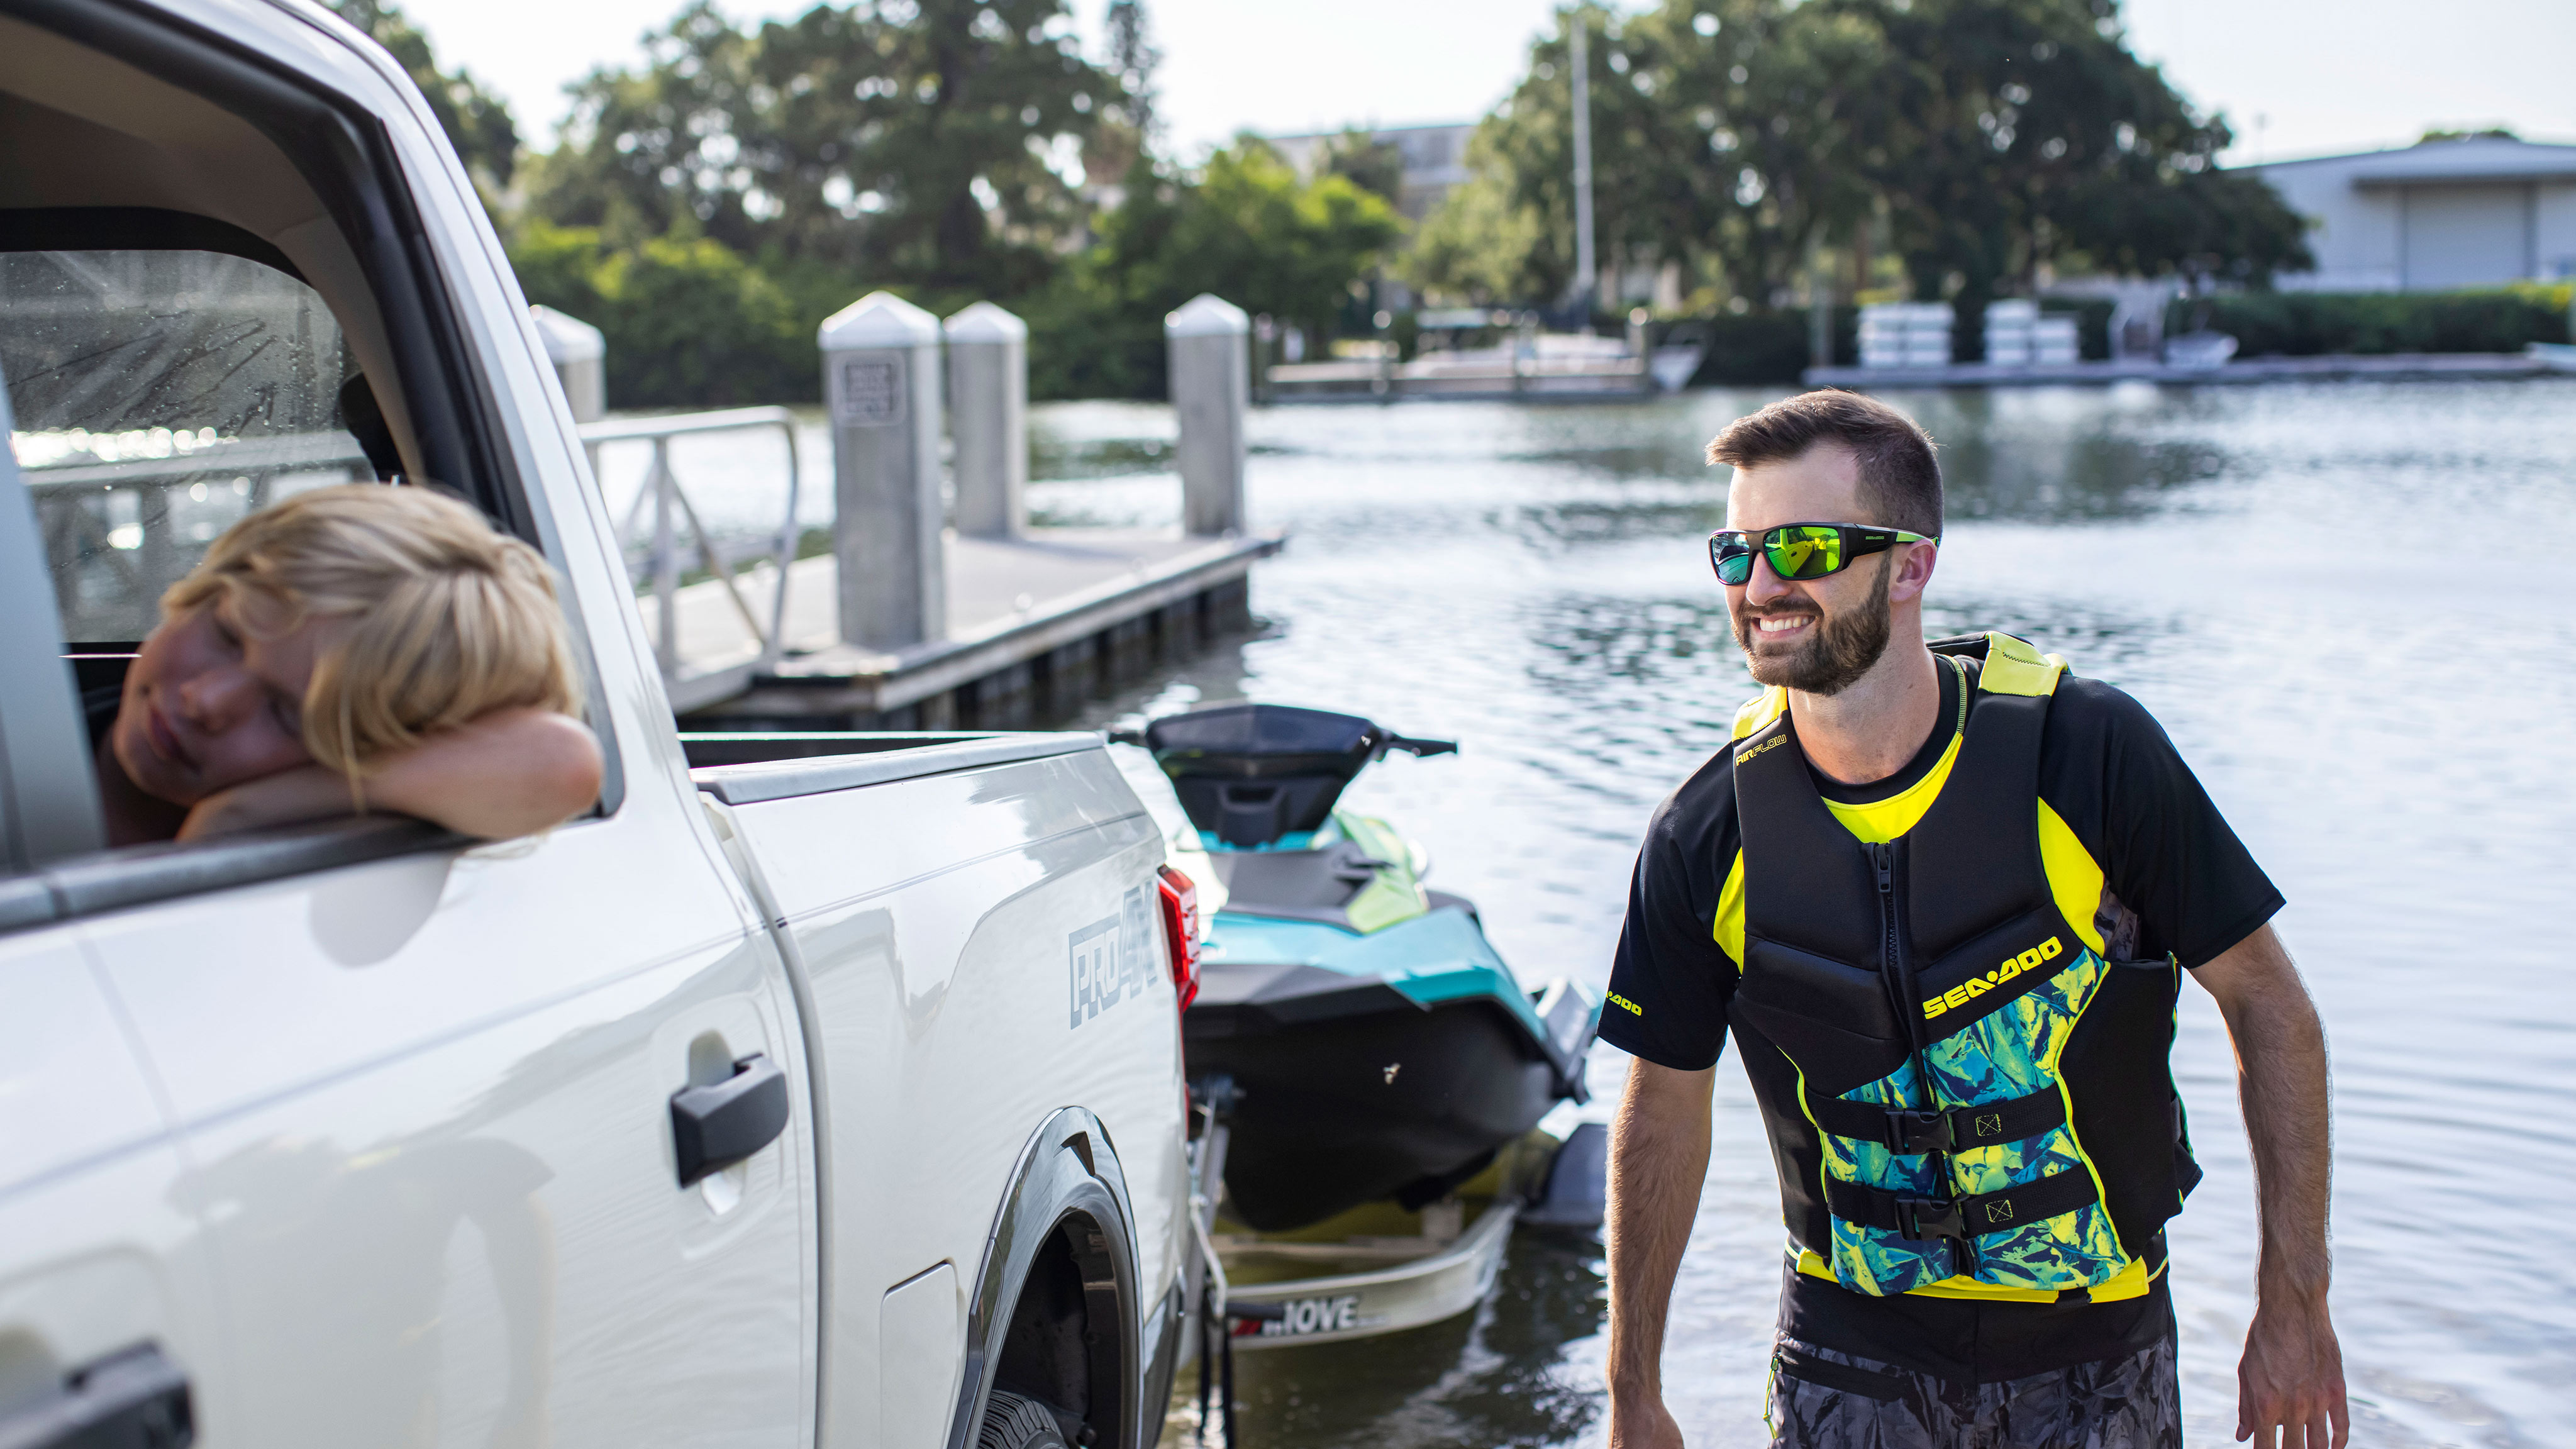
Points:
x=2478 y=211
x=1435 y=159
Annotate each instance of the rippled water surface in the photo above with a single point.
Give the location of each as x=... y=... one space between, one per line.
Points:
x=2351 y=607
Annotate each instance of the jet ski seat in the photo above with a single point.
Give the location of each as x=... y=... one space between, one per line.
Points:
x=1253 y=775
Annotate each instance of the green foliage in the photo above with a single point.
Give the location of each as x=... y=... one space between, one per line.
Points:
x=1371 y=164
x=1757 y=346
x=2307 y=324
x=688 y=322
x=936 y=142
x=1982 y=138
x=477 y=122
x=1508 y=234
x=2025 y=131
x=1247 y=228
x=1482 y=244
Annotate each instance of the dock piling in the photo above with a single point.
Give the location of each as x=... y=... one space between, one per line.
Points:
x=579 y=352
x=988 y=399
x=881 y=381
x=1211 y=386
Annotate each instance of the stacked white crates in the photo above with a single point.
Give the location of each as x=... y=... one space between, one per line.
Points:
x=1905 y=334
x=2052 y=342
x=2008 y=327
x=2018 y=336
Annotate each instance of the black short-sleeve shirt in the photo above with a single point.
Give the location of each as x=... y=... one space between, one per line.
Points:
x=2184 y=885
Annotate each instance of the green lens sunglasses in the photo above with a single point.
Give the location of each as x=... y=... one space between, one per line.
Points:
x=1801 y=551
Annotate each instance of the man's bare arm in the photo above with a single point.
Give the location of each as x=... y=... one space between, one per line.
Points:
x=1658 y=1159
x=2291 y=1380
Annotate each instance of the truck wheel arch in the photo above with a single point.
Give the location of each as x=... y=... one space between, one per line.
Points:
x=1063 y=1236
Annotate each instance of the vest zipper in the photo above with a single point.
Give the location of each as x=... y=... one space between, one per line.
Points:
x=1898 y=969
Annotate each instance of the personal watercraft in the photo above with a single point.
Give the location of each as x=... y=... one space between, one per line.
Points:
x=1376 y=1045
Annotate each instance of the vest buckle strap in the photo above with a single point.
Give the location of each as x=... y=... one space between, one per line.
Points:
x=1908 y=1132
x=1919 y=1219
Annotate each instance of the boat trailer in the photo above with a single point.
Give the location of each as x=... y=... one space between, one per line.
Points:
x=1398 y=1267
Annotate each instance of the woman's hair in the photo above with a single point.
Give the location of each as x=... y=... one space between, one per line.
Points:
x=451 y=618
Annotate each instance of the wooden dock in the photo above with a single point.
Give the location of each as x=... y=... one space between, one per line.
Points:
x=1036 y=624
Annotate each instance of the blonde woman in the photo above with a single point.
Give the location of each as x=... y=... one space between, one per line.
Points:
x=359 y=648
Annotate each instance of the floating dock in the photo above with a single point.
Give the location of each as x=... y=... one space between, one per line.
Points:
x=1035 y=625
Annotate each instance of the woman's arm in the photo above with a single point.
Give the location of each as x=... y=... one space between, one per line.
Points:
x=513 y=772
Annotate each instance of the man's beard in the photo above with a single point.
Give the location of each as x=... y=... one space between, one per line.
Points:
x=1836 y=652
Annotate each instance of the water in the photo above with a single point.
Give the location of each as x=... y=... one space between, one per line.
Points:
x=2350 y=607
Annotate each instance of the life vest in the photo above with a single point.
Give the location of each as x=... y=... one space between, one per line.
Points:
x=1963 y=1096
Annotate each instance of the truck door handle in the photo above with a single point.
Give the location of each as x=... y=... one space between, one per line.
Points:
x=136 y=1399
x=721 y=1123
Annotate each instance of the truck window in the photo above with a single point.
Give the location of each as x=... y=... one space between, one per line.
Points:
x=158 y=396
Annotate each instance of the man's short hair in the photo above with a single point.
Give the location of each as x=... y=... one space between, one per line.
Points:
x=1899 y=479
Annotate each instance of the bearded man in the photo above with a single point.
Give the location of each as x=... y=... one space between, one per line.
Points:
x=1944 y=896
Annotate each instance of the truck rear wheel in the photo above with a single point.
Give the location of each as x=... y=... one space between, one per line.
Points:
x=1012 y=1421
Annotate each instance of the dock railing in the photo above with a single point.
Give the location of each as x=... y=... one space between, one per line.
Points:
x=650 y=533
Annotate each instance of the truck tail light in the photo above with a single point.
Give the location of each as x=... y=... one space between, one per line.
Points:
x=1180 y=896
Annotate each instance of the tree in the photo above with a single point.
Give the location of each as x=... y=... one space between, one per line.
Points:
x=1371 y=164
x=1126 y=132
x=1246 y=228
x=1646 y=184
x=2024 y=131
x=477 y=123
x=939 y=142
x=1989 y=137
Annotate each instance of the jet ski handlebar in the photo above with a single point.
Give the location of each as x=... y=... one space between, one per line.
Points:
x=1416 y=748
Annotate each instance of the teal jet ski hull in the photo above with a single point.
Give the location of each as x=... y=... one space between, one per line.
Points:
x=1387 y=1065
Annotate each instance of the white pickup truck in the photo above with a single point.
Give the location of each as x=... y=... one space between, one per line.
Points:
x=807 y=1091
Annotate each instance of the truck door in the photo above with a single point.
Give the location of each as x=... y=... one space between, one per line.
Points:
x=422 y=1095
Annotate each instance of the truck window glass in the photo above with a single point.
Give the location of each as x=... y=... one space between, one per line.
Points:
x=158 y=397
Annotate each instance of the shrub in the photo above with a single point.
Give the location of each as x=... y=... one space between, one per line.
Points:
x=2307 y=324
x=688 y=322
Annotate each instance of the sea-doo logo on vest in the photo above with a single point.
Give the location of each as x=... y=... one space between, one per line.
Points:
x=1976 y=986
x=1773 y=743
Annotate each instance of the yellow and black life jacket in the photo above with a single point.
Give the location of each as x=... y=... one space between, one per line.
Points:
x=1963 y=1095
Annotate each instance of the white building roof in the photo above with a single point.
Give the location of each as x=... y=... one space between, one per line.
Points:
x=2473 y=160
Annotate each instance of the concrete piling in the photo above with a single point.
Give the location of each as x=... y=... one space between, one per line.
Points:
x=881 y=382
x=1211 y=388
x=579 y=352
x=988 y=399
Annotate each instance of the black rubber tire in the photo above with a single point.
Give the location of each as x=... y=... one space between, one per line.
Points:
x=1014 y=1421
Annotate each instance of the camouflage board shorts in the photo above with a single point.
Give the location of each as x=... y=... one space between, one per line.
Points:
x=1824 y=1399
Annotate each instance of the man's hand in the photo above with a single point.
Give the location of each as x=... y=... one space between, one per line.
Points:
x=1658 y=1159
x=2292 y=1380
x=1642 y=1424
x=2290 y=1385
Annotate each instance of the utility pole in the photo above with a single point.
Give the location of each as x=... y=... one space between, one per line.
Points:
x=1586 y=267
